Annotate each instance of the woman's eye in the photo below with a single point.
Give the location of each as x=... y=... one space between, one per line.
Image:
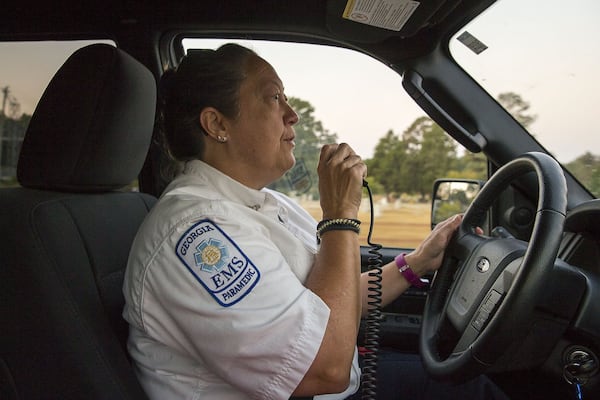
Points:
x=277 y=96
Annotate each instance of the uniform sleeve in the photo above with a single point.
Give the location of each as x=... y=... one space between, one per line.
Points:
x=222 y=292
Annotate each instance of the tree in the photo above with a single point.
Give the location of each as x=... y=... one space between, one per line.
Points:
x=586 y=168
x=12 y=132
x=429 y=154
x=469 y=166
x=412 y=163
x=517 y=107
x=437 y=154
x=384 y=166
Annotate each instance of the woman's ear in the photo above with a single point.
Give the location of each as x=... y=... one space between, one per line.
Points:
x=212 y=121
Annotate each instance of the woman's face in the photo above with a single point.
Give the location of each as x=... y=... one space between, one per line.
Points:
x=262 y=136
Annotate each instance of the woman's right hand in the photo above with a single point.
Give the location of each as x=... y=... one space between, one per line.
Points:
x=341 y=173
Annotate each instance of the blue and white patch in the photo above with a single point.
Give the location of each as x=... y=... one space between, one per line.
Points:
x=217 y=263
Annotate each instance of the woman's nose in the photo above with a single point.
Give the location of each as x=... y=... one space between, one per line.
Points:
x=292 y=117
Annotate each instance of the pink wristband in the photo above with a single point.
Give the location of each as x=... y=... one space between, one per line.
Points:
x=406 y=272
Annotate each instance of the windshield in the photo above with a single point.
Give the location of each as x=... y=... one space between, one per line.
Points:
x=544 y=58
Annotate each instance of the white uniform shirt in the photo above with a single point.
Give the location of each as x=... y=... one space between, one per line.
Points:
x=214 y=293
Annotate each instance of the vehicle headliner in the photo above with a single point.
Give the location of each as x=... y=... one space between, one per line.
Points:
x=308 y=20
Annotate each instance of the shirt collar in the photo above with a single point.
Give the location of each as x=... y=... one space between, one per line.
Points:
x=227 y=187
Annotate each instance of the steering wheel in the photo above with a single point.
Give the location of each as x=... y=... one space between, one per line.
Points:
x=482 y=298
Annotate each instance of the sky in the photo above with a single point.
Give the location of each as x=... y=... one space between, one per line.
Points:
x=362 y=110
x=562 y=87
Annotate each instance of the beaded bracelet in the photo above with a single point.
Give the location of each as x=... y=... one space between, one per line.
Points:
x=337 y=224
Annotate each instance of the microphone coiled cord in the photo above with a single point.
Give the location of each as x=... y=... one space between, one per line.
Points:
x=369 y=380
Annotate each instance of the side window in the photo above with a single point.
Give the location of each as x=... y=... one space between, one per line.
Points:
x=25 y=71
x=341 y=95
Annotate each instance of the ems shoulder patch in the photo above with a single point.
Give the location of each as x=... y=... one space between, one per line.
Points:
x=217 y=263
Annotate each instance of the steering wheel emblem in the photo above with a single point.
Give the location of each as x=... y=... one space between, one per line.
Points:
x=483 y=265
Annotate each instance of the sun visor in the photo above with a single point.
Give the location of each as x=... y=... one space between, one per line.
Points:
x=370 y=21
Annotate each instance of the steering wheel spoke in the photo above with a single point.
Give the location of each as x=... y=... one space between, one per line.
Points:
x=478 y=275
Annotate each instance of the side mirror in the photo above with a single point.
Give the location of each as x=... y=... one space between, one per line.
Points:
x=452 y=196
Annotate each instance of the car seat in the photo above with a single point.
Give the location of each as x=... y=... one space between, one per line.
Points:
x=66 y=232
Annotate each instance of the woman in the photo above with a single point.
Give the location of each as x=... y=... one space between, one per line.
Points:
x=228 y=293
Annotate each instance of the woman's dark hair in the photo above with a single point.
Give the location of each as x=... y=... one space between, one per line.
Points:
x=204 y=78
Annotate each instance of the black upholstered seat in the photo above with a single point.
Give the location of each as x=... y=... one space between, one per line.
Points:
x=67 y=230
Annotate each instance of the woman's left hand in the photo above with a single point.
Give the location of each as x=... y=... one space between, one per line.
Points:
x=427 y=257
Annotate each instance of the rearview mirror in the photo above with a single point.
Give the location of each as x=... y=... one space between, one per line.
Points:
x=452 y=196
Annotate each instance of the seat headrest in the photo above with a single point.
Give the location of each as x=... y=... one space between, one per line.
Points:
x=92 y=127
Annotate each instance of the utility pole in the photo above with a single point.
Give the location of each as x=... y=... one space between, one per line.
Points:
x=5 y=92
x=11 y=134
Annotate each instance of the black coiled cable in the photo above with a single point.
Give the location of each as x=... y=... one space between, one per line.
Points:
x=369 y=380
